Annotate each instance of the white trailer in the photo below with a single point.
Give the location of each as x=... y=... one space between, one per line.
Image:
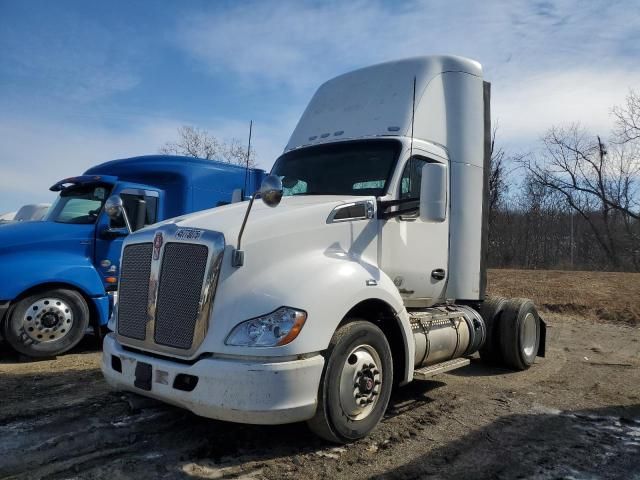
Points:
x=369 y=273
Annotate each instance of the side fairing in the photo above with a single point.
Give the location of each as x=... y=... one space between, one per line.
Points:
x=26 y=271
x=35 y=253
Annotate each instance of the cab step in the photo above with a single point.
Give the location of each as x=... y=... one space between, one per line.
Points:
x=425 y=373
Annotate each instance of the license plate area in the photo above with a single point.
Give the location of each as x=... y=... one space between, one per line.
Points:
x=144 y=373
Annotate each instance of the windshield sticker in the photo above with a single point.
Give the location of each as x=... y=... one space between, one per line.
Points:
x=189 y=234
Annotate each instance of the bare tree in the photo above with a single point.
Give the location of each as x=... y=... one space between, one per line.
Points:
x=196 y=142
x=593 y=178
x=498 y=186
x=627 y=119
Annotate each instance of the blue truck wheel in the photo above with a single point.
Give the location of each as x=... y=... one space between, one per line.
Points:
x=47 y=323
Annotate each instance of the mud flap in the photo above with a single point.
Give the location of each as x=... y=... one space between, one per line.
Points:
x=543 y=339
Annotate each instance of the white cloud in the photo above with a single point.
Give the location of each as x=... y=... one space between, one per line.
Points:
x=525 y=109
x=549 y=62
x=80 y=60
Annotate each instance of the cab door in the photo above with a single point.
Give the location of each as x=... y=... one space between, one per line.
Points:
x=110 y=234
x=414 y=252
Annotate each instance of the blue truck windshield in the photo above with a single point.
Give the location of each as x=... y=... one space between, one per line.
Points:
x=345 y=168
x=78 y=204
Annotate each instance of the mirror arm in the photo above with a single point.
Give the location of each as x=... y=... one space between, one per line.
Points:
x=238 y=255
x=114 y=232
x=126 y=220
x=383 y=205
x=397 y=213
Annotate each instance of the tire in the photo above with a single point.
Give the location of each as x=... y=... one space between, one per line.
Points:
x=519 y=334
x=339 y=417
x=47 y=323
x=491 y=311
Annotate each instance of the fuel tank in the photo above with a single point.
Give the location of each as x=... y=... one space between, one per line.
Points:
x=445 y=333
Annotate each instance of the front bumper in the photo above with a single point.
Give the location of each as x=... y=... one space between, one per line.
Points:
x=236 y=390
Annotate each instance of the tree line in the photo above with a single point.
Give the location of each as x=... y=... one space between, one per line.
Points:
x=575 y=204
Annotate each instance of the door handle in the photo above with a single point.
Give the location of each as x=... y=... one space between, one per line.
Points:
x=438 y=274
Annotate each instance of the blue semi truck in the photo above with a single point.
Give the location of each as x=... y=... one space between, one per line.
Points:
x=59 y=276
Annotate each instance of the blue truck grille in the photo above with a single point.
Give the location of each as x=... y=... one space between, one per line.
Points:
x=179 y=294
x=134 y=291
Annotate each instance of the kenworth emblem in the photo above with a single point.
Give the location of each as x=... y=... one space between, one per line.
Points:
x=188 y=234
x=157 y=245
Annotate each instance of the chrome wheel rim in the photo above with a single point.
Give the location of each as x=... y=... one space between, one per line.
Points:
x=360 y=382
x=529 y=335
x=48 y=319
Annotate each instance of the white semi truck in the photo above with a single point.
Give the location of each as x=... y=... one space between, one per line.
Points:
x=362 y=269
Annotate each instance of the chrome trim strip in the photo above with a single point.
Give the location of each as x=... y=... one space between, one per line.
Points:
x=369 y=208
x=215 y=242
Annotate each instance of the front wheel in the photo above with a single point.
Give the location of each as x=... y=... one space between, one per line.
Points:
x=47 y=323
x=356 y=383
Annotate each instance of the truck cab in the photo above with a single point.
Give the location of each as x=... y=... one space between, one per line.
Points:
x=361 y=269
x=62 y=273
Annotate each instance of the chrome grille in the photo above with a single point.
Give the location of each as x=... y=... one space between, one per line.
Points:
x=179 y=293
x=134 y=290
x=168 y=281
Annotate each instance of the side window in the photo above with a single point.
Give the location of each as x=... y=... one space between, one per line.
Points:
x=411 y=181
x=293 y=186
x=130 y=202
x=152 y=210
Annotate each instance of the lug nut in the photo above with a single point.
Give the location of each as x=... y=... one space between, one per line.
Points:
x=371 y=365
x=376 y=372
x=358 y=374
x=369 y=401
x=377 y=382
x=374 y=393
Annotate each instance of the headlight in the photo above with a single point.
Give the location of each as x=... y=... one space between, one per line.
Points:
x=274 y=329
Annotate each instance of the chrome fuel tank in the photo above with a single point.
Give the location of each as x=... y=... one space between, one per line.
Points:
x=445 y=333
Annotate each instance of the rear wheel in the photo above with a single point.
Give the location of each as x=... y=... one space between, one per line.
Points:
x=491 y=311
x=47 y=323
x=519 y=333
x=356 y=383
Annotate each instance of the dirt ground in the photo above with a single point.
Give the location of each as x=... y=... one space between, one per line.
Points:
x=574 y=414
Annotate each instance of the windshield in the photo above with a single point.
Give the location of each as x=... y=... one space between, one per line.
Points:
x=346 y=168
x=78 y=204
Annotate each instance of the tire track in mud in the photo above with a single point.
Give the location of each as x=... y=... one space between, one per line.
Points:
x=72 y=426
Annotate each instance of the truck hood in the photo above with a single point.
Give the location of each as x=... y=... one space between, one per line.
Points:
x=38 y=235
x=294 y=214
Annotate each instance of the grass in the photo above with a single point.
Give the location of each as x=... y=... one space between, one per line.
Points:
x=608 y=296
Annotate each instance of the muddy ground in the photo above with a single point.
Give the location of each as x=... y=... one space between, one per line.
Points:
x=574 y=414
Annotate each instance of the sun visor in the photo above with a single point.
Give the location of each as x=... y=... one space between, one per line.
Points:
x=82 y=179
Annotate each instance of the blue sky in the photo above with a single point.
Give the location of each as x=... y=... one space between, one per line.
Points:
x=83 y=82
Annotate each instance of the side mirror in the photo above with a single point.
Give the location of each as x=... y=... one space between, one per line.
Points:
x=114 y=207
x=433 y=193
x=271 y=190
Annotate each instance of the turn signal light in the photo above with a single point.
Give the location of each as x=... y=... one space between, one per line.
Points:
x=111 y=280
